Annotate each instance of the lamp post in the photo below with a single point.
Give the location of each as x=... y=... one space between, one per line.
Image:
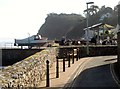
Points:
x=88 y=28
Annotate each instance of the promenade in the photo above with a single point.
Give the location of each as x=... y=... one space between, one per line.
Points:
x=72 y=75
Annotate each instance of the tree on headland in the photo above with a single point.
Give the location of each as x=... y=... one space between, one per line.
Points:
x=92 y=10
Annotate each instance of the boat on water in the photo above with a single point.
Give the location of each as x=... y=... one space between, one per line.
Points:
x=32 y=41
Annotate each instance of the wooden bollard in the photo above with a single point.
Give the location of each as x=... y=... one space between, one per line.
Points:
x=77 y=56
x=63 y=64
x=57 y=68
x=79 y=53
x=73 y=56
x=68 y=57
x=47 y=74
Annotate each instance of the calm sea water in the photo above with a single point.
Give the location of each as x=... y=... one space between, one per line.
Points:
x=1 y=67
x=6 y=42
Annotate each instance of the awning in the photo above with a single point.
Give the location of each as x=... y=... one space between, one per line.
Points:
x=100 y=25
x=108 y=26
x=94 y=26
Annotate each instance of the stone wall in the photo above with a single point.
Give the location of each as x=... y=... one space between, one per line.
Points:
x=31 y=71
x=104 y=50
x=28 y=72
x=94 y=50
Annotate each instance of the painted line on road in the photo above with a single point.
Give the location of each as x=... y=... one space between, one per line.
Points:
x=114 y=75
x=72 y=79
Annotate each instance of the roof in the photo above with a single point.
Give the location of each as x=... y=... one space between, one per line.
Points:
x=94 y=26
x=108 y=26
x=100 y=24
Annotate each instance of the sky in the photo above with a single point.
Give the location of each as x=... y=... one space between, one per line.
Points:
x=19 y=18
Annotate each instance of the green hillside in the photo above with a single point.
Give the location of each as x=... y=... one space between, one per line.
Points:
x=58 y=25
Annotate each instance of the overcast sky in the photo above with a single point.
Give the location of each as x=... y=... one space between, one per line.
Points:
x=20 y=17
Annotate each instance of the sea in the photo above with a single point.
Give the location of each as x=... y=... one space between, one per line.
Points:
x=5 y=43
x=1 y=67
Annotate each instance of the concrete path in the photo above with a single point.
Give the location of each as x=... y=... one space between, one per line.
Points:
x=86 y=72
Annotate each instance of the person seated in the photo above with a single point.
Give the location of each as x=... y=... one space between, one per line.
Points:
x=62 y=42
x=104 y=42
x=93 y=40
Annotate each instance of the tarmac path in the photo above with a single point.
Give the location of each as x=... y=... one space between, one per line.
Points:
x=96 y=73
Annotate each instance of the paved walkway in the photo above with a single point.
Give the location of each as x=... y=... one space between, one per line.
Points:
x=97 y=73
x=67 y=78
